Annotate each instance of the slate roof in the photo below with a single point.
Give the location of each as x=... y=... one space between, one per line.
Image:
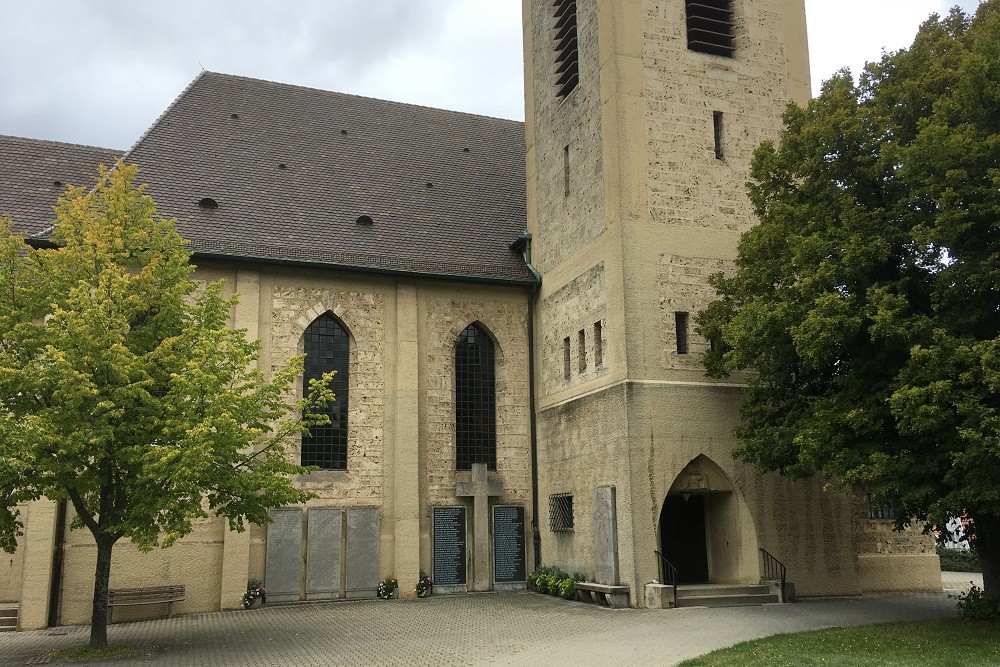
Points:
x=292 y=169
x=33 y=173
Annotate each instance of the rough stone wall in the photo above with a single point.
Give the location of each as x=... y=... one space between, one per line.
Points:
x=570 y=220
x=572 y=308
x=445 y=317
x=363 y=315
x=683 y=287
x=687 y=184
x=572 y=433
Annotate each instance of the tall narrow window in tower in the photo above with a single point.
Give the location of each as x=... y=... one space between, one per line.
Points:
x=566 y=171
x=475 y=400
x=710 y=27
x=681 y=324
x=598 y=345
x=567 y=56
x=582 y=341
x=717 y=126
x=566 y=358
x=327 y=348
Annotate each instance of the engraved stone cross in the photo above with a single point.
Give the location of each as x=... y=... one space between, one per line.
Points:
x=480 y=487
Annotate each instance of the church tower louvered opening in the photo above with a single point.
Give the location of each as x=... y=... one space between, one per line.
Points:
x=710 y=27
x=567 y=54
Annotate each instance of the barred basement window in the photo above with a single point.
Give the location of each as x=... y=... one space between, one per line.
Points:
x=567 y=56
x=475 y=400
x=561 y=513
x=710 y=27
x=879 y=512
x=327 y=348
x=681 y=325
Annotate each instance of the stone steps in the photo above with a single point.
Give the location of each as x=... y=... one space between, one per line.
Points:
x=725 y=595
x=8 y=617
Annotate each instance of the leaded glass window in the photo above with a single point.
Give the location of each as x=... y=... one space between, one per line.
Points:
x=327 y=348
x=475 y=400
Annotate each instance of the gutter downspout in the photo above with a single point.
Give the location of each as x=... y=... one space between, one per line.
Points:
x=58 y=552
x=523 y=244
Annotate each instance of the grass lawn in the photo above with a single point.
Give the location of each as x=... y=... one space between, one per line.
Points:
x=949 y=642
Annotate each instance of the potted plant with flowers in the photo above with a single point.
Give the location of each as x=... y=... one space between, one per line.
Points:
x=255 y=595
x=424 y=585
x=387 y=589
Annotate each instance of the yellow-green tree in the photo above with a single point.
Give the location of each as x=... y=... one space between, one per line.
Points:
x=124 y=391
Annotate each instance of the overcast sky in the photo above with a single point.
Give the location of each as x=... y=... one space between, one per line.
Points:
x=99 y=72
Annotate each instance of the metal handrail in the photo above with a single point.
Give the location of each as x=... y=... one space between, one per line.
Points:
x=668 y=574
x=774 y=569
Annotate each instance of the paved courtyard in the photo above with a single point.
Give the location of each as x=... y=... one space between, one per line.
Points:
x=478 y=629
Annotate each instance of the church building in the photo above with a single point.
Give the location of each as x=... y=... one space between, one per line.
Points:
x=510 y=311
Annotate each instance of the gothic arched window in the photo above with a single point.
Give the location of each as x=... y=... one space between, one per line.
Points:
x=327 y=348
x=475 y=400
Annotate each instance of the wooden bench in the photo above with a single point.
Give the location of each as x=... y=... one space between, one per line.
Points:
x=615 y=597
x=127 y=597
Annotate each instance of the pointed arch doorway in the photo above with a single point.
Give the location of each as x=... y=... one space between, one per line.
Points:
x=705 y=527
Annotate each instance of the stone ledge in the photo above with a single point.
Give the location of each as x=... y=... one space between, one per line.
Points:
x=616 y=597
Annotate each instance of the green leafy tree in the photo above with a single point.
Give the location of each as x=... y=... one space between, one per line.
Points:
x=865 y=308
x=124 y=391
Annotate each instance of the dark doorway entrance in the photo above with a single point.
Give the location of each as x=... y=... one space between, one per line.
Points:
x=682 y=537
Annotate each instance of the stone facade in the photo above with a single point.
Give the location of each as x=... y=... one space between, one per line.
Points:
x=662 y=209
x=631 y=207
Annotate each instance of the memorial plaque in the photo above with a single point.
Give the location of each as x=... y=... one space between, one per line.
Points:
x=323 y=553
x=449 y=546
x=283 y=562
x=605 y=536
x=362 y=552
x=508 y=545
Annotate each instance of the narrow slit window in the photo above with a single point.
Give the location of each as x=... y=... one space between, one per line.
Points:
x=681 y=323
x=717 y=128
x=598 y=345
x=567 y=55
x=566 y=358
x=566 y=171
x=582 y=341
x=710 y=27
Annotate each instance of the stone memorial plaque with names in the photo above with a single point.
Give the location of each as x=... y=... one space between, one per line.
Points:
x=605 y=536
x=509 y=563
x=323 y=550
x=449 y=546
x=362 y=552
x=283 y=563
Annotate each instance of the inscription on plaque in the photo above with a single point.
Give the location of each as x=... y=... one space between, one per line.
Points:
x=449 y=546
x=508 y=544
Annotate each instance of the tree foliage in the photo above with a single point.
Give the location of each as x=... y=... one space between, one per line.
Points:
x=865 y=307
x=124 y=391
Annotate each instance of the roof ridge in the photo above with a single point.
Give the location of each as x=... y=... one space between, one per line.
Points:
x=356 y=96
x=163 y=114
x=60 y=143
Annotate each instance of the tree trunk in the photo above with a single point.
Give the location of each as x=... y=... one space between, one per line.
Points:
x=988 y=548
x=99 y=613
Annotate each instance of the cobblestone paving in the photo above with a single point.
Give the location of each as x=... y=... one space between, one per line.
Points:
x=478 y=629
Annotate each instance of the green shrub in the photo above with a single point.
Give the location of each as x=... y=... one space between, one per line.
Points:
x=567 y=587
x=959 y=560
x=976 y=606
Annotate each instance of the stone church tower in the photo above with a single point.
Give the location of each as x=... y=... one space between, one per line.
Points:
x=641 y=120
